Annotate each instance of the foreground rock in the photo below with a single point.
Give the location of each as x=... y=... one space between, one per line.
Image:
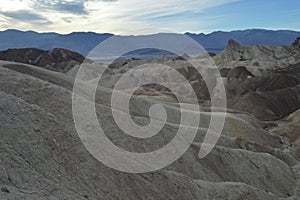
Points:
x=43 y=157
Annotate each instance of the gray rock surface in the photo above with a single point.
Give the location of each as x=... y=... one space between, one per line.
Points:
x=42 y=156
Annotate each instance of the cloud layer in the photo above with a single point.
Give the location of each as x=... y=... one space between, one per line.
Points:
x=117 y=16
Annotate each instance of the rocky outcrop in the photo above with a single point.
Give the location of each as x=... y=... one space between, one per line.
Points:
x=258 y=59
x=266 y=84
x=60 y=60
x=296 y=44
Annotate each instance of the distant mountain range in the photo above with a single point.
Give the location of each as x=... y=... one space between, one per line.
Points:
x=84 y=42
x=217 y=41
x=80 y=42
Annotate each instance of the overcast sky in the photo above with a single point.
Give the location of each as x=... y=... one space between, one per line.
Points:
x=148 y=16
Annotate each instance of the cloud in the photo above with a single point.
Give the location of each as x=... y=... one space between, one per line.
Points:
x=26 y=16
x=76 y=7
x=72 y=7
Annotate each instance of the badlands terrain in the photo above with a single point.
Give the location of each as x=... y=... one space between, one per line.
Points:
x=256 y=157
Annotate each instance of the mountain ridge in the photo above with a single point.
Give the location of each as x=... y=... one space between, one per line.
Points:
x=84 y=42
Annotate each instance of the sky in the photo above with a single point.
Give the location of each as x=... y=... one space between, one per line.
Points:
x=130 y=17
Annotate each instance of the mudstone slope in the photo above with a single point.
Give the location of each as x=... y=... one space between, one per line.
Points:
x=256 y=157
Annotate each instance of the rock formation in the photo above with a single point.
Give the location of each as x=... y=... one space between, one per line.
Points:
x=267 y=82
x=60 y=60
x=258 y=59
